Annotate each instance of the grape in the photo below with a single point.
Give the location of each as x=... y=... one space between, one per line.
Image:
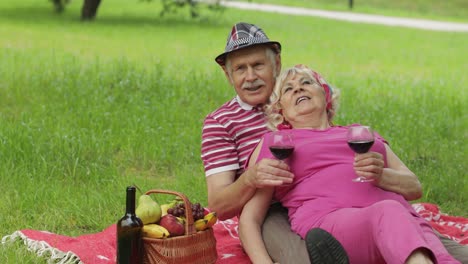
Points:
x=179 y=210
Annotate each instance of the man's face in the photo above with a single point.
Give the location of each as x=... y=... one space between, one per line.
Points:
x=252 y=73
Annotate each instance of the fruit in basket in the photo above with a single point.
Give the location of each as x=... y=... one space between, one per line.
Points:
x=201 y=224
x=165 y=207
x=148 y=210
x=181 y=219
x=155 y=231
x=197 y=211
x=178 y=209
x=211 y=218
x=173 y=225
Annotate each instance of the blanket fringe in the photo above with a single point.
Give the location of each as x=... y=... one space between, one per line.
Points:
x=42 y=249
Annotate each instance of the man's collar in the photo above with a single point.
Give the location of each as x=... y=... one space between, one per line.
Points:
x=244 y=105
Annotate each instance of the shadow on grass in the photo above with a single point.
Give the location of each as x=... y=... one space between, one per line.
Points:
x=47 y=16
x=33 y=14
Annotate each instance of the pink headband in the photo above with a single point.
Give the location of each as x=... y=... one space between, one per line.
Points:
x=328 y=90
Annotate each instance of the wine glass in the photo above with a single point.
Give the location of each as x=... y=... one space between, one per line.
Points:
x=281 y=144
x=360 y=140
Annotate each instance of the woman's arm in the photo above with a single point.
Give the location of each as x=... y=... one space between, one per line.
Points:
x=396 y=177
x=250 y=226
x=251 y=220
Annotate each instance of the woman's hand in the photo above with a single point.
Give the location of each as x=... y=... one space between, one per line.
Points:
x=369 y=165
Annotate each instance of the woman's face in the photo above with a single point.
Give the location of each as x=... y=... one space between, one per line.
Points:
x=301 y=95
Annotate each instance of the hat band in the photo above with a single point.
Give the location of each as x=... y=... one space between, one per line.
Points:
x=235 y=44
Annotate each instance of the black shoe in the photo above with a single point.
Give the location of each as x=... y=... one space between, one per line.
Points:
x=323 y=248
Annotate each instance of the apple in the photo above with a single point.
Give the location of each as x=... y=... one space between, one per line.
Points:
x=173 y=225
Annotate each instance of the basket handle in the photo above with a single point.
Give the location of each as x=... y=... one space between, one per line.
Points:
x=189 y=226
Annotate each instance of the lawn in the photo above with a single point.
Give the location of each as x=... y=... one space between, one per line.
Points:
x=452 y=10
x=87 y=109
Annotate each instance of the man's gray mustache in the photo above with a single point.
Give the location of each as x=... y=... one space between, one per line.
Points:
x=256 y=83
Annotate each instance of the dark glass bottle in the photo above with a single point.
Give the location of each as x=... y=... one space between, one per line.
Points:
x=129 y=232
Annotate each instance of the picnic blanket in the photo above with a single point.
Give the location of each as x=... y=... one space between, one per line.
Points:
x=101 y=247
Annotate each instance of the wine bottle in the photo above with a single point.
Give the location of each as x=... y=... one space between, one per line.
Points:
x=129 y=232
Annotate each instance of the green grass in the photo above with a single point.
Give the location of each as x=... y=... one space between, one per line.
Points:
x=89 y=108
x=453 y=10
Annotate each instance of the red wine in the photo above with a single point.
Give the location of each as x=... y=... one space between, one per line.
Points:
x=129 y=232
x=360 y=146
x=281 y=152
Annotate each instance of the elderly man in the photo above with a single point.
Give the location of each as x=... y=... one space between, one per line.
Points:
x=251 y=63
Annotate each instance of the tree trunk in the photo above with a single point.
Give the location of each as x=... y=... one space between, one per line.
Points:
x=89 y=10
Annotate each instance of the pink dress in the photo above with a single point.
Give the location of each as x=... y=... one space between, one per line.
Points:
x=324 y=195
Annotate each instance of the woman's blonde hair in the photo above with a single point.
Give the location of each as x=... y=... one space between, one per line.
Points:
x=273 y=108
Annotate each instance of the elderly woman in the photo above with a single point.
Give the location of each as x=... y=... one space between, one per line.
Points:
x=373 y=221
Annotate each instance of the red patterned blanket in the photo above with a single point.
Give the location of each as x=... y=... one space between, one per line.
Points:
x=100 y=247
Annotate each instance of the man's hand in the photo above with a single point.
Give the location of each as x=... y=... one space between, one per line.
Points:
x=269 y=173
x=227 y=196
x=369 y=165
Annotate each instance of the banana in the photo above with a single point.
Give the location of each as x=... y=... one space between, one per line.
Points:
x=164 y=208
x=211 y=218
x=201 y=224
x=181 y=220
x=155 y=231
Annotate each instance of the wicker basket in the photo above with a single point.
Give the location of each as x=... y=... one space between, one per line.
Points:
x=193 y=247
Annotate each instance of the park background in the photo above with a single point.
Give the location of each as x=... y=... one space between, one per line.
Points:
x=88 y=108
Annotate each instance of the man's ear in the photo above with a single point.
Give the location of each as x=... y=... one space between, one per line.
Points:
x=226 y=73
x=278 y=63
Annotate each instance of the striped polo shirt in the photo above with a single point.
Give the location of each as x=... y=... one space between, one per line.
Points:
x=229 y=134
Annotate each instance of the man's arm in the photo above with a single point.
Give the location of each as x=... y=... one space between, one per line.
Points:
x=396 y=177
x=227 y=196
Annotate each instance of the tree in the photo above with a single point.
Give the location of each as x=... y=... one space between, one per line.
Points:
x=90 y=7
x=171 y=6
x=89 y=10
x=60 y=4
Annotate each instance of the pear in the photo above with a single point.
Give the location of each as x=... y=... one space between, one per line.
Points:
x=148 y=210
